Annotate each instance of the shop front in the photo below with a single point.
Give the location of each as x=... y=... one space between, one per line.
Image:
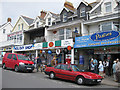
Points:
x=62 y=50
x=102 y=46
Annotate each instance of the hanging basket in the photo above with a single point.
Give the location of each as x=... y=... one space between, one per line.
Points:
x=54 y=32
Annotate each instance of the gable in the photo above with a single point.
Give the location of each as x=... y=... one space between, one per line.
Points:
x=20 y=22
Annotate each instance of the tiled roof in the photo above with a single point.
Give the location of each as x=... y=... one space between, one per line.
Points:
x=28 y=20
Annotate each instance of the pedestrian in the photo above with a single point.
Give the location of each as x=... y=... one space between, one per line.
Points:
x=92 y=65
x=101 y=69
x=53 y=62
x=107 y=66
x=95 y=62
x=38 y=63
x=114 y=70
x=104 y=65
x=118 y=70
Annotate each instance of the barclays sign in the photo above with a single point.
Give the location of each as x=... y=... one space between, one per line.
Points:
x=103 y=36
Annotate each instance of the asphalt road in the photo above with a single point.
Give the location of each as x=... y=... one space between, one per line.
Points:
x=12 y=79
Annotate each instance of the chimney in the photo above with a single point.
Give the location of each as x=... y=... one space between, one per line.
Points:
x=9 y=20
x=69 y=5
x=43 y=13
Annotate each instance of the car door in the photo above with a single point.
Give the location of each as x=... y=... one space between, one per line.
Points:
x=13 y=61
x=67 y=72
x=57 y=70
x=8 y=62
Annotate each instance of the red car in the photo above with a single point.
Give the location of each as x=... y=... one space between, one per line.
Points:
x=18 y=62
x=71 y=72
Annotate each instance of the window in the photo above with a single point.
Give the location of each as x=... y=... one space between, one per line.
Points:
x=14 y=57
x=68 y=33
x=49 y=21
x=61 y=34
x=22 y=26
x=22 y=57
x=64 y=67
x=19 y=27
x=20 y=36
x=116 y=26
x=64 y=17
x=106 y=26
x=9 y=56
x=37 y=24
x=82 y=12
x=57 y=67
x=4 y=31
x=108 y=7
x=15 y=37
x=74 y=68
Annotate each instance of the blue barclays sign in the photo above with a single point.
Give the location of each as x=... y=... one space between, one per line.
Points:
x=23 y=48
x=103 y=36
x=98 y=39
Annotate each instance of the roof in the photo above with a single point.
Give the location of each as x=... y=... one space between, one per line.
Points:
x=93 y=4
x=2 y=25
x=27 y=19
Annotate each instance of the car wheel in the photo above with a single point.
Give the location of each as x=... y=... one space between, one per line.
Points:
x=16 y=68
x=52 y=75
x=3 y=66
x=80 y=80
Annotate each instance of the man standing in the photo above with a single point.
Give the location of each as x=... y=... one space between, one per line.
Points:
x=95 y=62
x=118 y=70
x=38 y=63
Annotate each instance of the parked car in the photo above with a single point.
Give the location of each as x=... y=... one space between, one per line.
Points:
x=18 y=62
x=71 y=72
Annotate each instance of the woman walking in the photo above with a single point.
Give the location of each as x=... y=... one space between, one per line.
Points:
x=101 y=69
x=114 y=70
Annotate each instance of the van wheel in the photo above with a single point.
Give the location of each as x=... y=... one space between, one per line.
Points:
x=16 y=68
x=3 y=66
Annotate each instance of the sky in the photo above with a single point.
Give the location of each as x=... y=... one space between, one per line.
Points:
x=31 y=8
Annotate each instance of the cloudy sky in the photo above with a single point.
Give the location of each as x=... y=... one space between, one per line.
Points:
x=31 y=8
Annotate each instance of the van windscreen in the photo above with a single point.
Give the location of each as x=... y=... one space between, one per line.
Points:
x=22 y=57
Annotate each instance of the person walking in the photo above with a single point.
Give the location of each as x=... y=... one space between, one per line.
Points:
x=104 y=65
x=38 y=63
x=92 y=65
x=114 y=70
x=95 y=62
x=101 y=69
x=118 y=70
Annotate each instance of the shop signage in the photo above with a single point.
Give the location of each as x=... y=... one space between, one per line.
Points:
x=57 y=51
x=103 y=36
x=38 y=46
x=68 y=42
x=23 y=48
x=51 y=44
x=86 y=41
x=69 y=47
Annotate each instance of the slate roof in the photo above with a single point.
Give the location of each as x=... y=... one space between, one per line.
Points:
x=28 y=20
x=93 y=4
x=2 y=25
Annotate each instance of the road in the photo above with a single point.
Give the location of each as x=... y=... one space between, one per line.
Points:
x=12 y=79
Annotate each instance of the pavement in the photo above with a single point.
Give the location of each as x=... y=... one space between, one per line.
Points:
x=108 y=80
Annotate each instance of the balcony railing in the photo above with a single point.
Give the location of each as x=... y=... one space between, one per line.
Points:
x=10 y=42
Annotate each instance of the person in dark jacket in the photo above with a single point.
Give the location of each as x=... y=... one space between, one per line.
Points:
x=38 y=63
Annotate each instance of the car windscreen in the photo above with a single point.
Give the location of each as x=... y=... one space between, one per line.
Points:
x=22 y=57
x=74 y=68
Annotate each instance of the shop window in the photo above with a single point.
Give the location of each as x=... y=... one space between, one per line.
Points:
x=64 y=17
x=108 y=7
x=82 y=12
x=20 y=36
x=49 y=21
x=106 y=26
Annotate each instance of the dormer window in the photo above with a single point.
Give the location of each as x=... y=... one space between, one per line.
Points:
x=82 y=12
x=108 y=7
x=49 y=21
x=64 y=17
x=37 y=24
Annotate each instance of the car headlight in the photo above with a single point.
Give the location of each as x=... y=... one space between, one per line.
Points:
x=21 y=63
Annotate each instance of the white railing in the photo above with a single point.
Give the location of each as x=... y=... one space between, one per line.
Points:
x=10 y=42
x=58 y=37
